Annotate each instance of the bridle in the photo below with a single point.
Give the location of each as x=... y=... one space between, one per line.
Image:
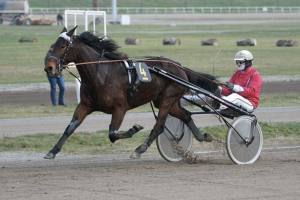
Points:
x=61 y=61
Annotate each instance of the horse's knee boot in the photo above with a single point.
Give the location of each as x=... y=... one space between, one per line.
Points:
x=141 y=149
x=136 y=128
x=69 y=130
x=112 y=135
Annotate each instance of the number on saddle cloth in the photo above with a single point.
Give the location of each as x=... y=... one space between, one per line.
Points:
x=143 y=72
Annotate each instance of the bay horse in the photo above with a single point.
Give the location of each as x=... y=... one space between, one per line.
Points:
x=105 y=87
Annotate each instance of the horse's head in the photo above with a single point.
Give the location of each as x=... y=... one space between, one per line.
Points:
x=57 y=54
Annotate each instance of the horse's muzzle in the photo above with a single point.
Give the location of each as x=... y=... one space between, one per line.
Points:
x=48 y=70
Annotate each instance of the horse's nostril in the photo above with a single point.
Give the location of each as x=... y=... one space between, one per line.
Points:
x=50 y=69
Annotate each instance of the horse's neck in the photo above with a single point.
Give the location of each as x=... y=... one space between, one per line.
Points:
x=86 y=54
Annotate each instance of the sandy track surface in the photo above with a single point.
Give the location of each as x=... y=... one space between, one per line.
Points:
x=275 y=175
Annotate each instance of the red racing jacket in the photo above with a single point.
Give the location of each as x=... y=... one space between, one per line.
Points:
x=250 y=81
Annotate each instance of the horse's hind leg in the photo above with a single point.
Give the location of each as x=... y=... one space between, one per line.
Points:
x=116 y=121
x=164 y=108
x=79 y=115
x=185 y=116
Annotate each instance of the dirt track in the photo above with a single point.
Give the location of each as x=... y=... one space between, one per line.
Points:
x=275 y=176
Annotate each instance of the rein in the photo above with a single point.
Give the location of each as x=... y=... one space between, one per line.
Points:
x=143 y=60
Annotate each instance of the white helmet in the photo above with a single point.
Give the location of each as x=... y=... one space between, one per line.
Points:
x=243 y=55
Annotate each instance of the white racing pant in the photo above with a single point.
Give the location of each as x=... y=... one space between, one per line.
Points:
x=239 y=101
x=234 y=98
x=195 y=99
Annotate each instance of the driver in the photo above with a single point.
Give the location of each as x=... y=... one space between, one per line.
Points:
x=243 y=88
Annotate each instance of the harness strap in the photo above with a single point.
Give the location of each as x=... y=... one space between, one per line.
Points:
x=147 y=60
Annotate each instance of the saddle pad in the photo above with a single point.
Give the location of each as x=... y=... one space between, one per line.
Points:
x=143 y=72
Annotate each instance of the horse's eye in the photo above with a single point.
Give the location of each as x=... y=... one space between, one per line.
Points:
x=62 y=46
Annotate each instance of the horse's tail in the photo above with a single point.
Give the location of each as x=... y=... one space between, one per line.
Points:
x=205 y=81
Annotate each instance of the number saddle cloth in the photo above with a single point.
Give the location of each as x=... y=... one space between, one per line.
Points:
x=137 y=72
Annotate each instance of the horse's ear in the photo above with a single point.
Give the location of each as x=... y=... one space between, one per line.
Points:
x=64 y=30
x=70 y=33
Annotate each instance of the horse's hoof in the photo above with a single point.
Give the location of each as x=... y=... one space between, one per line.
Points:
x=138 y=127
x=49 y=155
x=135 y=155
x=207 y=137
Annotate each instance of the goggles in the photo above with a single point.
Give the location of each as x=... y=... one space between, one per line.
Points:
x=240 y=62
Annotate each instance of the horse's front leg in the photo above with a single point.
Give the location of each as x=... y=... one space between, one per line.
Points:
x=79 y=115
x=116 y=121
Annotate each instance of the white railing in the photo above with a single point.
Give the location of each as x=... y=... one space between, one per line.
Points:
x=174 y=10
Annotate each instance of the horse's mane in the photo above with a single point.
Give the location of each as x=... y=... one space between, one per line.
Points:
x=102 y=44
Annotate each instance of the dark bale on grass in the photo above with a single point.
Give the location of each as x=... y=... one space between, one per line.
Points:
x=24 y=39
x=132 y=41
x=210 y=41
x=171 y=41
x=286 y=43
x=246 y=42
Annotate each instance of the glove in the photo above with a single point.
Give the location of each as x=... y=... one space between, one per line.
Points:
x=230 y=85
x=235 y=88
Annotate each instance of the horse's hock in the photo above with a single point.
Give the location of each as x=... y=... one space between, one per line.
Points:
x=132 y=41
x=246 y=42
x=210 y=41
x=286 y=43
x=171 y=41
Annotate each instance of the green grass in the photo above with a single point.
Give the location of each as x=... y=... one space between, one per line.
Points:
x=98 y=142
x=23 y=62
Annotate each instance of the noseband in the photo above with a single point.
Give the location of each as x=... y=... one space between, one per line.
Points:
x=61 y=61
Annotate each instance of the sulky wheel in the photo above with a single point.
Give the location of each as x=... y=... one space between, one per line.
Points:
x=238 y=151
x=175 y=140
